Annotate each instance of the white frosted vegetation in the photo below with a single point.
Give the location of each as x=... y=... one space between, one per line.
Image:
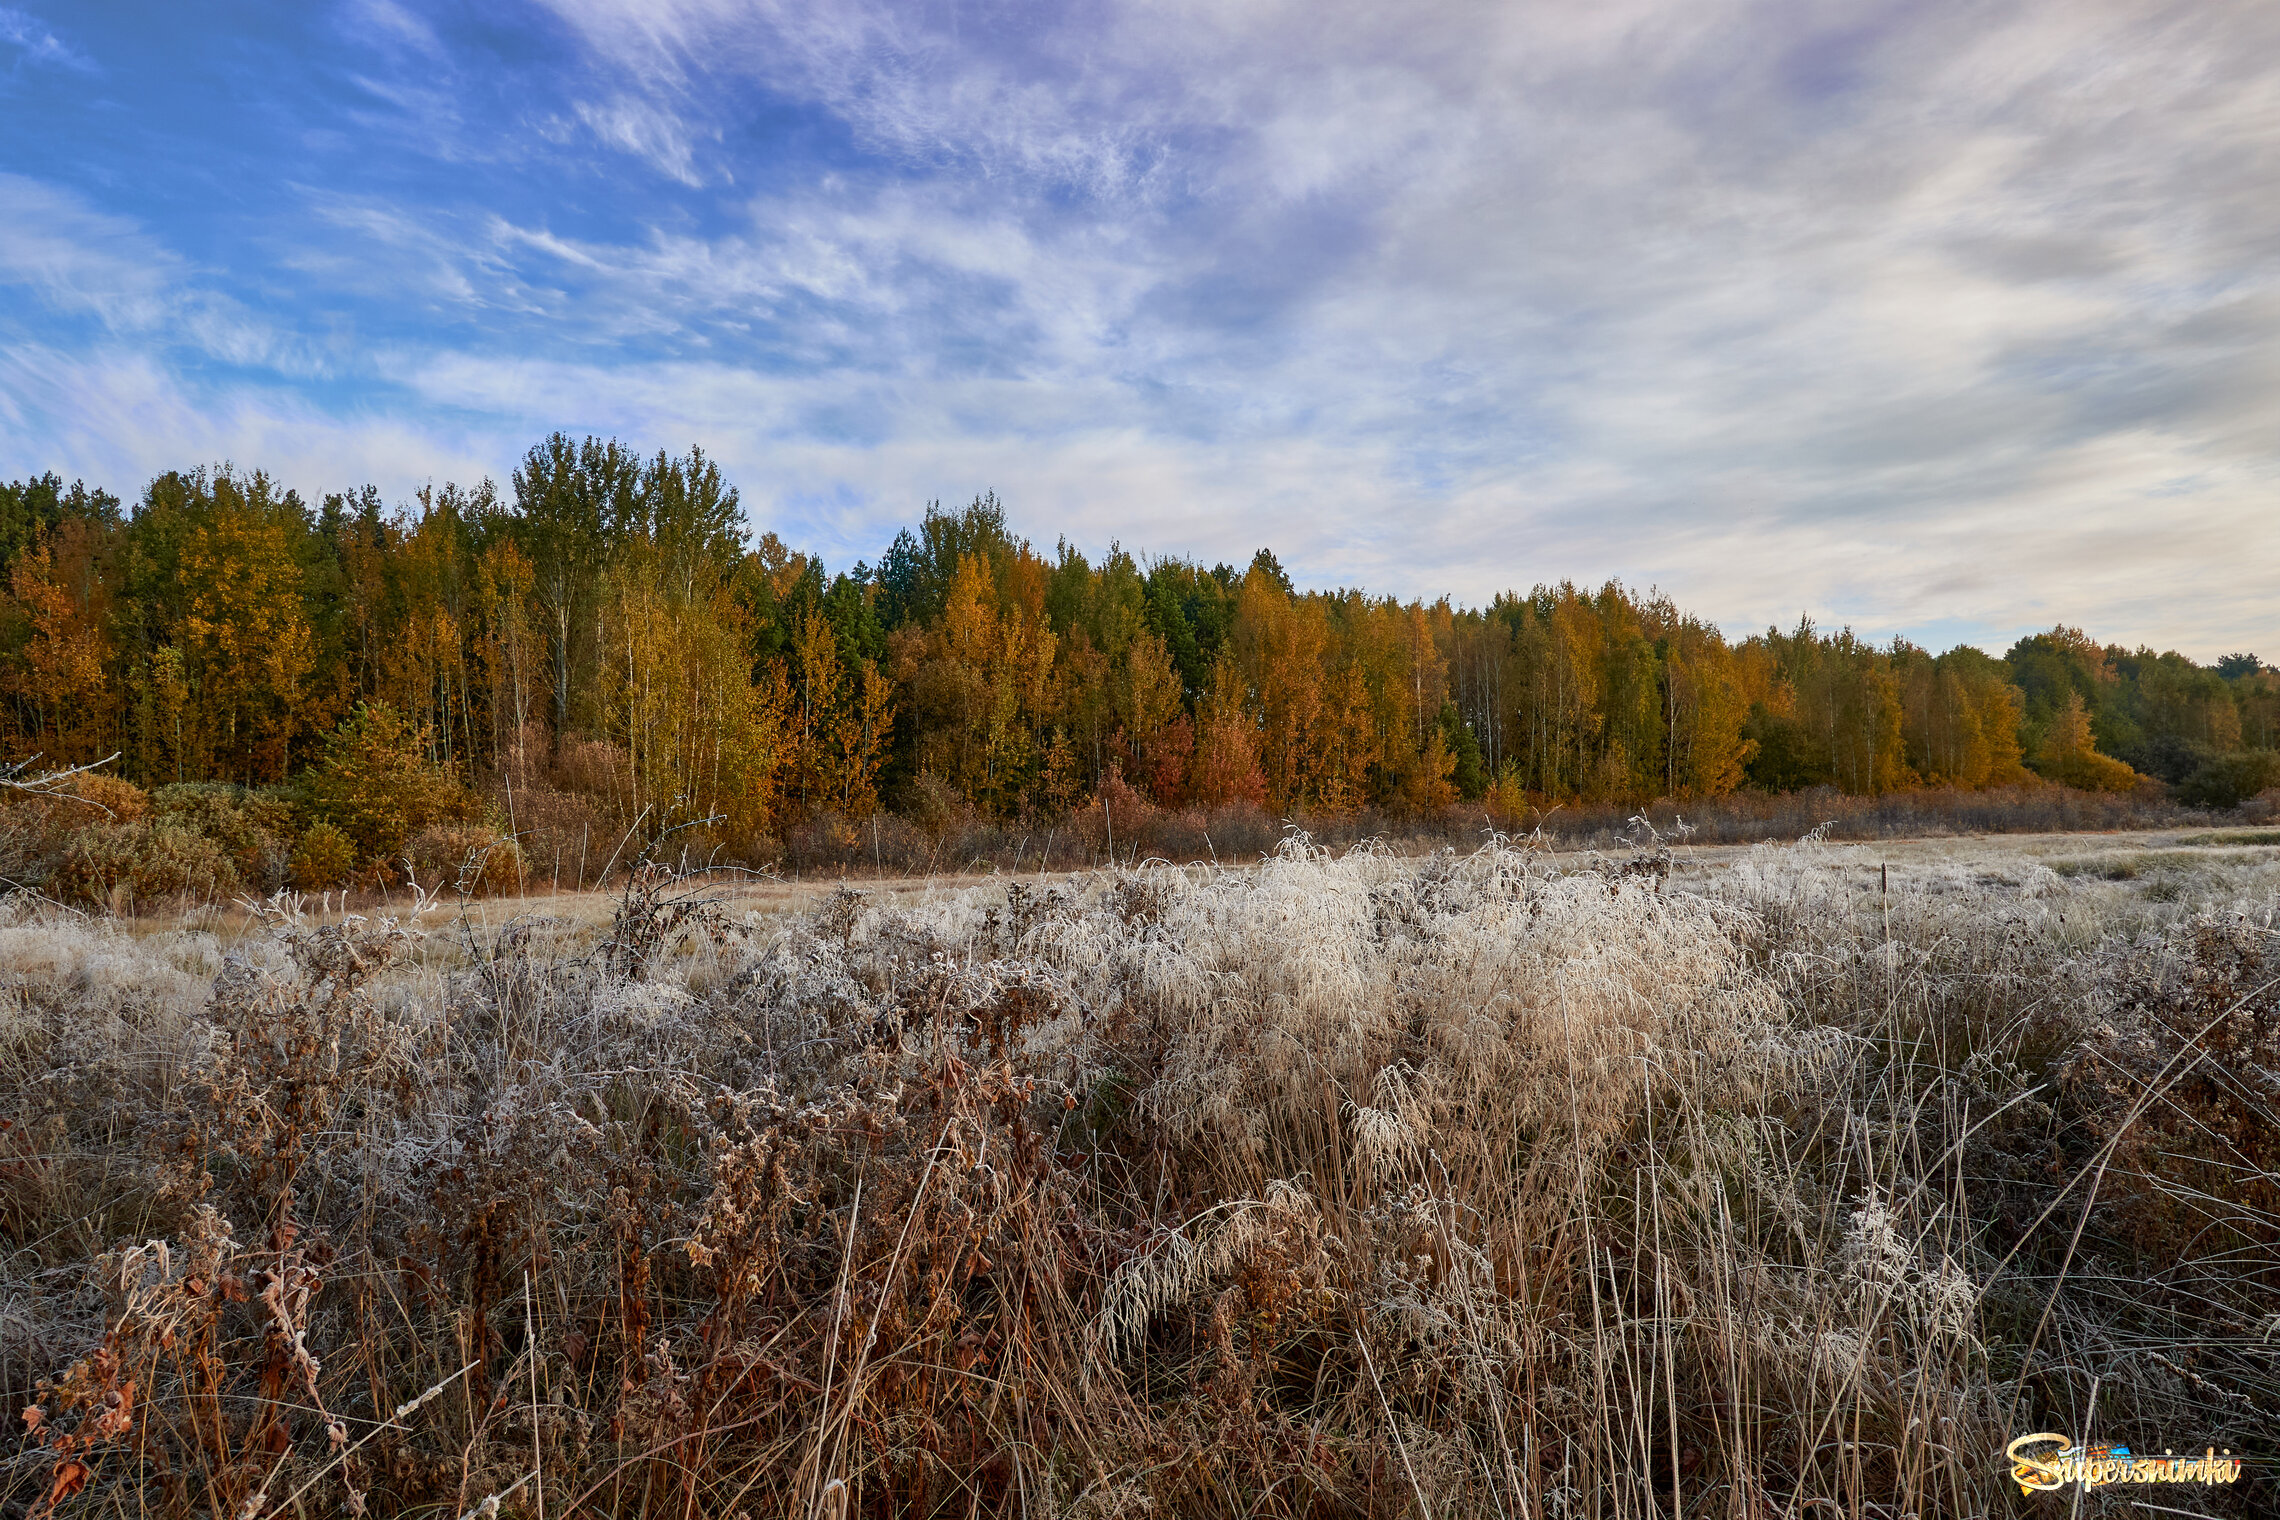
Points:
x=1525 y=1190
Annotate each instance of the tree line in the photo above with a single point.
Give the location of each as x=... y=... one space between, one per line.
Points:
x=606 y=626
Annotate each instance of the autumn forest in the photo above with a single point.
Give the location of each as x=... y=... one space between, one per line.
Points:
x=602 y=643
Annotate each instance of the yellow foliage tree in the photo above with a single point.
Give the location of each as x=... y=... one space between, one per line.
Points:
x=982 y=680
x=2069 y=757
x=839 y=722
x=1156 y=739
x=513 y=655
x=1225 y=768
x=703 y=740
x=245 y=643
x=60 y=691
x=1279 y=642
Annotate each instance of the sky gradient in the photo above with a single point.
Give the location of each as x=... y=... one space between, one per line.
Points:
x=1951 y=320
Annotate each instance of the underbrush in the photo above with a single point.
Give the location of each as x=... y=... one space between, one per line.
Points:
x=98 y=841
x=103 y=843
x=1930 y=812
x=946 y=834
x=1352 y=1185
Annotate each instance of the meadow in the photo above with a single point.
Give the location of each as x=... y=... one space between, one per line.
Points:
x=1764 y=1180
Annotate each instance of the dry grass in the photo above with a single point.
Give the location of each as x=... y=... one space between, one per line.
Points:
x=1485 y=1184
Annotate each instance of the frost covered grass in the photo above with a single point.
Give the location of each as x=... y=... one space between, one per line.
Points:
x=1482 y=1184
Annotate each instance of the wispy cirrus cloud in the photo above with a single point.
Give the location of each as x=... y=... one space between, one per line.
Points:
x=76 y=259
x=118 y=416
x=60 y=254
x=25 y=40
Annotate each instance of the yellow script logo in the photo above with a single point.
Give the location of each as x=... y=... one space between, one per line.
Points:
x=2046 y=1460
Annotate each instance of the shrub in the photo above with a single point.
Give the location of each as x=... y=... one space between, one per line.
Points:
x=1746 y=817
x=464 y=857
x=1236 y=834
x=376 y=786
x=1118 y=818
x=125 y=801
x=252 y=828
x=2209 y=981
x=2227 y=781
x=1506 y=802
x=562 y=834
x=938 y=809
x=125 y=864
x=594 y=768
x=324 y=859
x=2087 y=770
x=2169 y=757
x=36 y=829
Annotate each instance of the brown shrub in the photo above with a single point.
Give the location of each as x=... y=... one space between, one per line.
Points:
x=564 y=836
x=144 y=864
x=594 y=768
x=2195 y=1024
x=1929 y=812
x=126 y=802
x=253 y=828
x=1118 y=818
x=465 y=858
x=937 y=809
x=36 y=828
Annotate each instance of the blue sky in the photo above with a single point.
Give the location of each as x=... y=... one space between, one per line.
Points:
x=1950 y=320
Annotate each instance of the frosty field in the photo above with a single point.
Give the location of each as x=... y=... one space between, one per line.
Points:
x=1789 y=1180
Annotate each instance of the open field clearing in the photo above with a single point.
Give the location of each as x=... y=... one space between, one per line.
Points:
x=1743 y=1181
x=1942 y=863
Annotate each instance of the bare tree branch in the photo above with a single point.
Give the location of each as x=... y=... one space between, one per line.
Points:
x=18 y=775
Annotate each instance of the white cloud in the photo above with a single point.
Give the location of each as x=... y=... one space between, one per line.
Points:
x=392 y=25
x=34 y=43
x=80 y=259
x=118 y=416
x=1915 y=314
x=634 y=126
x=83 y=263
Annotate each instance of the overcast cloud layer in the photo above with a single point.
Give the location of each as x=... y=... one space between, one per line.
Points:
x=1948 y=320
